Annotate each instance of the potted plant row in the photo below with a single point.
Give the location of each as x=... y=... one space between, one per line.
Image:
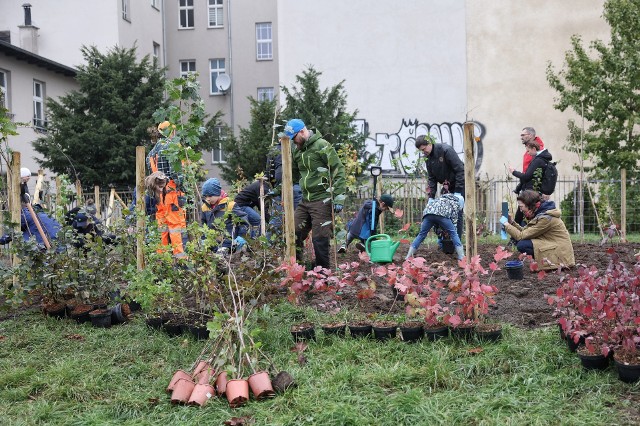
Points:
x=599 y=311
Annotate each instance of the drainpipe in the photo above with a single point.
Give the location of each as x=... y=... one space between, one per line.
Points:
x=231 y=117
x=164 y=38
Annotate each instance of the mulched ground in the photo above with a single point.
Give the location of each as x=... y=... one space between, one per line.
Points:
x=519 y=302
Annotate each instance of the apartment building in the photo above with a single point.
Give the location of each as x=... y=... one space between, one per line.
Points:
x=408 y=67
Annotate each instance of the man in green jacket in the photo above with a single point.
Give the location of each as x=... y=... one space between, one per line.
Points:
x=322 y=180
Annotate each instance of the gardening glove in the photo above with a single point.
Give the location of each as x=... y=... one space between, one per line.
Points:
x=239 y=242
x=337 y=208
x=269 y=194
x=504 y=220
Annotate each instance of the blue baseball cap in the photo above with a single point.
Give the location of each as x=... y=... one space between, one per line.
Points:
x=293 y=127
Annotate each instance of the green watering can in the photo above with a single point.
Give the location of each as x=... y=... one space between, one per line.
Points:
x=381 y=248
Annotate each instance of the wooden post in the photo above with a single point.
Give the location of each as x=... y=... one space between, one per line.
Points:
x=58 y=194
x=140 y=207
x=79 y=200
x=263 y=222
x=287 y=199
x=470 y=192
x=96 y=198
x=623 y=205
x=13 y=182
x=39 y=183
x=112 y=200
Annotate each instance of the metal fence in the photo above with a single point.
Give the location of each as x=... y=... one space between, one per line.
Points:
x=601 y=201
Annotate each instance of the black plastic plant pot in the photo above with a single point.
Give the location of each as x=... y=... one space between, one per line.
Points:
x=384 y=332
x=515 y=269
x=448 y=247
x=200 y=332
x=436 y=333
x=155 y=322
x=463 y=332
x=134 y=306
x=572 y=345
x=628 y=373
x=56 y=310
x=396 y=294
x=334 y=329
x=411 y=332
x=489 y=332
x=172 y=328
x=80 y=313
x=360 y=330
x=100 y=318
x=594 y=361
x=304 y=331
x=119 y=314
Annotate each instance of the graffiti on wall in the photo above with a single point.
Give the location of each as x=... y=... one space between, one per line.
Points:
x=390 y=149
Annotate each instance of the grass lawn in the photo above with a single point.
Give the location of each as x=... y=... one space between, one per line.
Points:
x=57 y=372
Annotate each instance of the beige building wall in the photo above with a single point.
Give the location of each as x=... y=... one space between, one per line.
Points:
x=509 y=44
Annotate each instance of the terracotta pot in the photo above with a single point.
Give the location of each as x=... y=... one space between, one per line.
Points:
x=182 y=391
x=200 y=367
x=237 y=392
x=261 y=386
x=221 y=383
x=180 y=374
x=204 y=376
x=201 y=394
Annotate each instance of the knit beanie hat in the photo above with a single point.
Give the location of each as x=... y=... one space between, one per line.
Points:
x=387 y=199
x=211 y=188
x=24 y=172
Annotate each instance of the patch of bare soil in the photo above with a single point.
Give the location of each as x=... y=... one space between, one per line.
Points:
x=518 y=302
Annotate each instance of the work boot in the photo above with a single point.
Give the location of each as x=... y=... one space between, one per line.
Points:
x=342 y=249
x=410 y=253
x=360 y=246
x=460 y=252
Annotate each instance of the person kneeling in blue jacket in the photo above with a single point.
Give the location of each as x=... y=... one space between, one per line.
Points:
x=444 y=212
x=360 y=227
x=49 y=225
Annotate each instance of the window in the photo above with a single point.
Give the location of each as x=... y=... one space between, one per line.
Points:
x=187 y=67
x=156 y=54
x=38 y=105
x=217 y=155
x=264 y=43
x=265 y=94
x=215 y=14
x=125 y=10
x=4 y=89
x=216 y=67
x=186 y=14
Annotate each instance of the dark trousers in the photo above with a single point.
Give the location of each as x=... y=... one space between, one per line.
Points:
x=314 y=216
x=525 y=246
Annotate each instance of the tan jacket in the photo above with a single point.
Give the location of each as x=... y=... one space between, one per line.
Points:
x=551 y=242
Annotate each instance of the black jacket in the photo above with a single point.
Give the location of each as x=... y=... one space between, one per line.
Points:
x=443 y=164
x=250 y=195
x=528 y=179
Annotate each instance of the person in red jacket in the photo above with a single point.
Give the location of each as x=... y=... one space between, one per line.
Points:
x=528 y=134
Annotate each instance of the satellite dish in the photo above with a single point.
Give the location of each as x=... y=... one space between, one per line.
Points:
x=223 y=82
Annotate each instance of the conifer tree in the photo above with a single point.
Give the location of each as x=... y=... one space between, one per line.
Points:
x=93 y=131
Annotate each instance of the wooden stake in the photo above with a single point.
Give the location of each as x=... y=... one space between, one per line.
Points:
x=39 y=183
x=287 y=199
x=112 y=199
x=623 y=205
x=96 y=198
x=13 y=182
x=263 y=222
x=140 y=207
x=470 y=192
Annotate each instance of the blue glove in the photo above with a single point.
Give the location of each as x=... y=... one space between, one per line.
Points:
x=457 y=194
x=503 y=234
x=271 y=193
x=239 y=242
x=337 y=208
x=503 y=220
x=431 y=200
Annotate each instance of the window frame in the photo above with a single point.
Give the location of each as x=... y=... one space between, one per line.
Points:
x=219 y=6
x=213 y=89
x=187 y=62
x=189 y=12
x=262 y=42
x=4 y=88
x=219 y=130
x=126 y=10
x=39 y=118
x=268 y=91
x=156 y=52
x=155 y=5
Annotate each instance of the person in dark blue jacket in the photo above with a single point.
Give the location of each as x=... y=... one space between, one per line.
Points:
x=361 y=227
x=216 y=205
x=49 y=225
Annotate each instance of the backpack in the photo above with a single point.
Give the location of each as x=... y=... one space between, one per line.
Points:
x=549 y=178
